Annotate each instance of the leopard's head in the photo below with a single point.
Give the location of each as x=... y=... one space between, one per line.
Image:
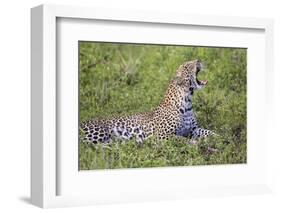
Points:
x=188 y=72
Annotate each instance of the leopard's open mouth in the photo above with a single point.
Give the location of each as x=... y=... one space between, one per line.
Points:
x=200 y=82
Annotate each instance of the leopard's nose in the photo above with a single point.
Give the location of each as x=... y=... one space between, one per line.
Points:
x=198 y=64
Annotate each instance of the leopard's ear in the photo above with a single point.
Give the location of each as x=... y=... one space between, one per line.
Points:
x=179 y=80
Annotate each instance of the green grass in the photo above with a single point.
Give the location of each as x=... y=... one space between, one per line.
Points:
x=118 y=79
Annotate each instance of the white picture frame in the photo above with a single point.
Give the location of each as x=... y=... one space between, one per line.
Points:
x=47 y=165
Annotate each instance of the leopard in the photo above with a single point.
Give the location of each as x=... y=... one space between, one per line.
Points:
x=173 y=117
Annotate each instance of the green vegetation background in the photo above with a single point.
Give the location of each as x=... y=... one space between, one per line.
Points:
x=117 y=79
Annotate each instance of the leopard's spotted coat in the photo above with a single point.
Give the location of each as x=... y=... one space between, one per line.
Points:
x=173 y=117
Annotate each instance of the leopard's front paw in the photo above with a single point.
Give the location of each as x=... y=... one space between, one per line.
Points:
x=193 y=141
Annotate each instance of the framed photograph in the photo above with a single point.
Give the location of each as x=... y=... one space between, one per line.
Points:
x=130 y=106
